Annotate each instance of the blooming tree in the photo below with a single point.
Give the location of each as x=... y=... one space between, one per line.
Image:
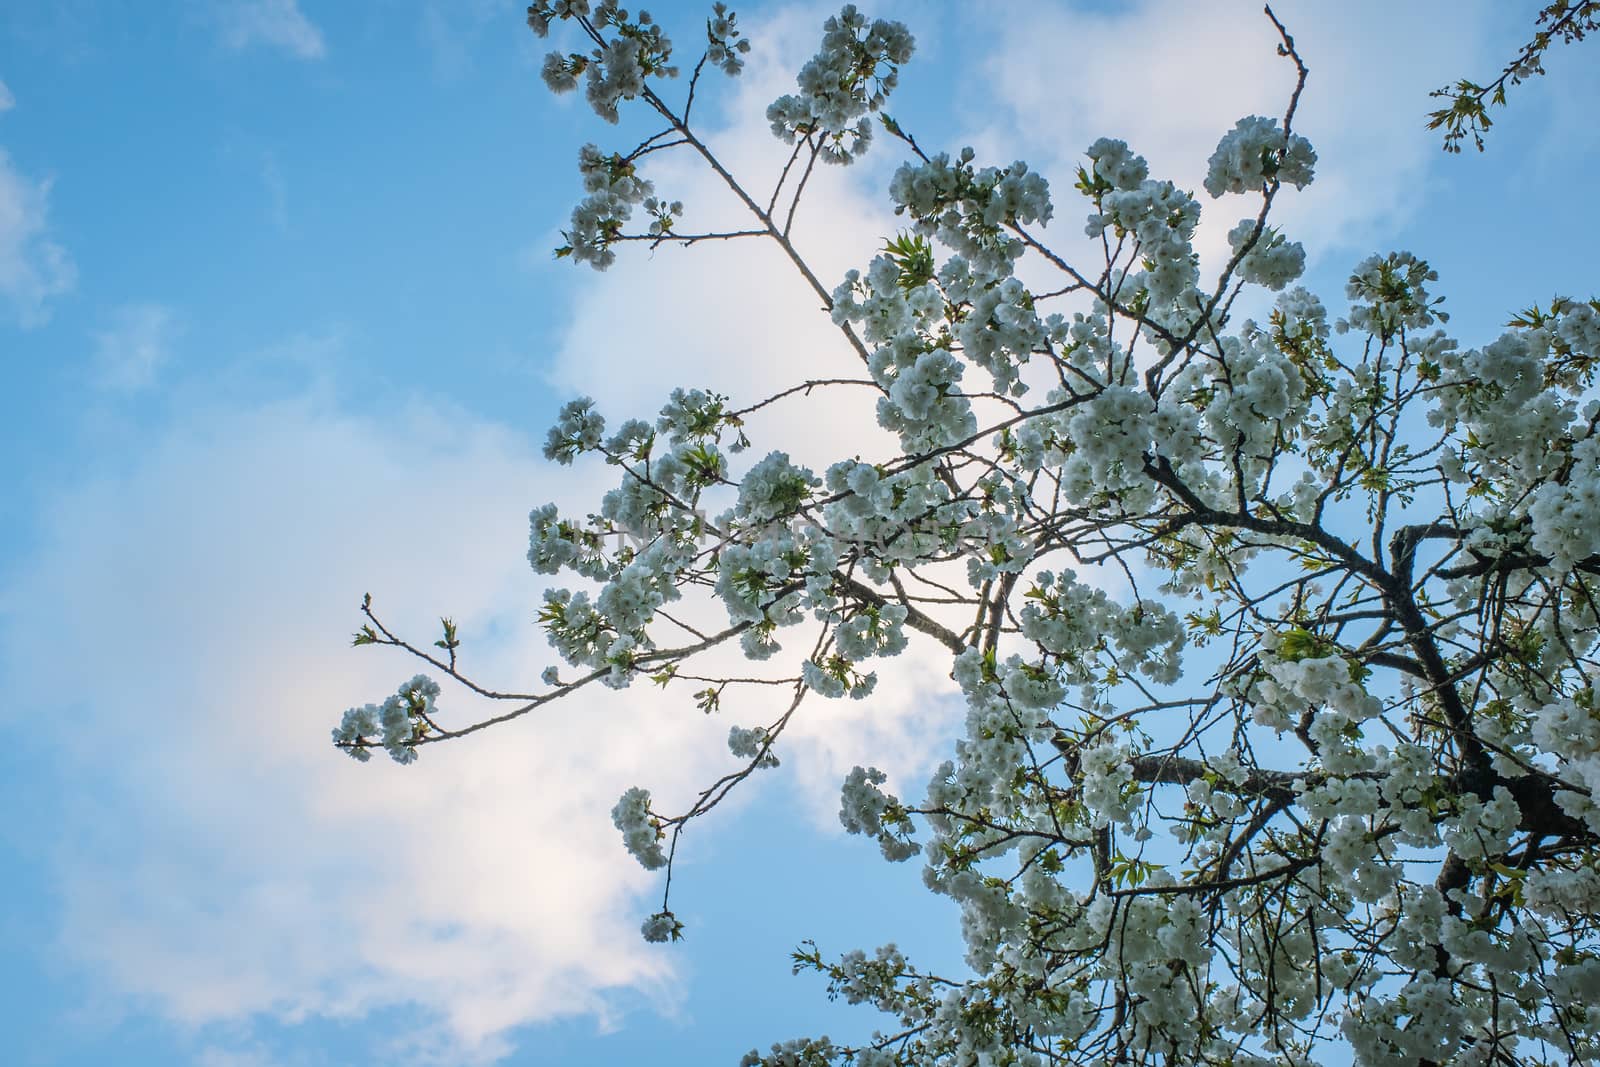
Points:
x=1276 y=636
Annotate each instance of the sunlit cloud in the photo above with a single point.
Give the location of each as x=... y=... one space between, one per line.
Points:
x=222 y=860
x=1176 y=76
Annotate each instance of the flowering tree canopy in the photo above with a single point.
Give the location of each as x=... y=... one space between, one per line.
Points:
x=1276 y=638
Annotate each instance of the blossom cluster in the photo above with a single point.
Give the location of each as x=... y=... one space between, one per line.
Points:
x=1266 y=257
x=641 y=831
x=726 y=49
x=614 y=189
x=1255 y=153
x=969 y=209
x=866 y=809
x=617 y=69
x=398 y=722
x=851 y=76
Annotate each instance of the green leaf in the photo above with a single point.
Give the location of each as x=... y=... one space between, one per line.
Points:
x=450 y=641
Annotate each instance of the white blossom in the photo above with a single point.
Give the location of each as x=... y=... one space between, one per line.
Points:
x=641 y=831
x=1256 y=152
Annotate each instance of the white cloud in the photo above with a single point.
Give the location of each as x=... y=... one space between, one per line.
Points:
x=226 y=862
x=736 y=317
x=219 y=859
x=7 y=101
x=130 y=354
x=34 y=269
x=1176 y=79
x=1174 y=76
x=273 y=23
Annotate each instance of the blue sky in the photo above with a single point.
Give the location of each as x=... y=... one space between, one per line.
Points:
x=280 y=327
